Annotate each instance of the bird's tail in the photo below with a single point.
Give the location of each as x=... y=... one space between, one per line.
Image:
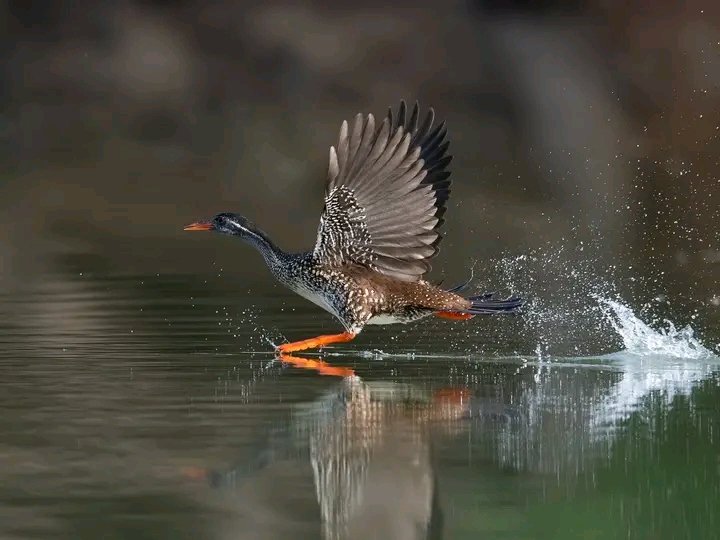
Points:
x=487 y=304
x=484 y=304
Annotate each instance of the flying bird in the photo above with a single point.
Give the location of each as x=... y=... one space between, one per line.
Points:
x=386 y=193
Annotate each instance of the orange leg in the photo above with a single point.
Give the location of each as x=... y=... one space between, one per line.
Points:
x=454 y=315
x=321 y=367
x=315 y=343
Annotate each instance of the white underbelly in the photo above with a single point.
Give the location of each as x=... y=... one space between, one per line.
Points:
x=316 y=299
x=399 y=318
x=386 y=319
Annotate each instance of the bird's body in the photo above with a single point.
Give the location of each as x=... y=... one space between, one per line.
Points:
x=358 y=296
x=384 y=202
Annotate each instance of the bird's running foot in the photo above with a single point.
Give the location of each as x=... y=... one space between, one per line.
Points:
x=315 y=343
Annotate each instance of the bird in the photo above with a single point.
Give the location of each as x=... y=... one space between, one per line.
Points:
x=386 y=193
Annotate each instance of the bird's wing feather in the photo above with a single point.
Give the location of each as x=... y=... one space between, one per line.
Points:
x=386 y=194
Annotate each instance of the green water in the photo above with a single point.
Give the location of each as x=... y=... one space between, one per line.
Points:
x=153 y=407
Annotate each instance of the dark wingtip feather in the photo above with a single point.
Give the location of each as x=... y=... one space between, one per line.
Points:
x=486 y=304
x=401 y=114
x=437 y=152
x=424 y=128
x=412 y=123
x=439 y=165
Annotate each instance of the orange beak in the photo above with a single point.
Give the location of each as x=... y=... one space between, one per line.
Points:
x=199 y=226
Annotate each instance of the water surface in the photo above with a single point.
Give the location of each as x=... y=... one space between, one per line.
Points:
x=153 y=407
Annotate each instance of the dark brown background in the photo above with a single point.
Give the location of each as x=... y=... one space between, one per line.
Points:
x=569 y=121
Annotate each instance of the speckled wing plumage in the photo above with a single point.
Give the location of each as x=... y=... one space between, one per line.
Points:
x=386 y=194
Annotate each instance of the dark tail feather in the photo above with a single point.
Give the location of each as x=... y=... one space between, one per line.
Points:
x=485 y=304
x=461 y=286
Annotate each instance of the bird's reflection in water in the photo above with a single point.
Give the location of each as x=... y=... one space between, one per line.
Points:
x=369 y=448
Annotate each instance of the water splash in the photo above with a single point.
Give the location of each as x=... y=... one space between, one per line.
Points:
x=585 y=410
x=642 y=340
x=573 y=309
x=560 y=317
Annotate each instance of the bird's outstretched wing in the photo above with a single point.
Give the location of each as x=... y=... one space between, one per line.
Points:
x=386 y=194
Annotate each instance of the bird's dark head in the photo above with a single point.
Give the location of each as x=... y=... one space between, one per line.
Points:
x=226 y=223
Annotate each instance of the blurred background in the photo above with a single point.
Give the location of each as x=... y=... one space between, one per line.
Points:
x=591 y=125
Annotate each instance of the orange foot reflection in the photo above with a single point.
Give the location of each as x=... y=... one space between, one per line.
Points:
x=192 y=472
x=323 y=368
x=450 y=403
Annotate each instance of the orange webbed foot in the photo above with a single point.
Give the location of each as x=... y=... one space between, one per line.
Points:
x=315 y=343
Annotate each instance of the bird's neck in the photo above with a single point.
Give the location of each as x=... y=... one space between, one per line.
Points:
x=272 y=254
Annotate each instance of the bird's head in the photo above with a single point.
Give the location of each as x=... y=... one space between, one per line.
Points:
x=226 y=223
